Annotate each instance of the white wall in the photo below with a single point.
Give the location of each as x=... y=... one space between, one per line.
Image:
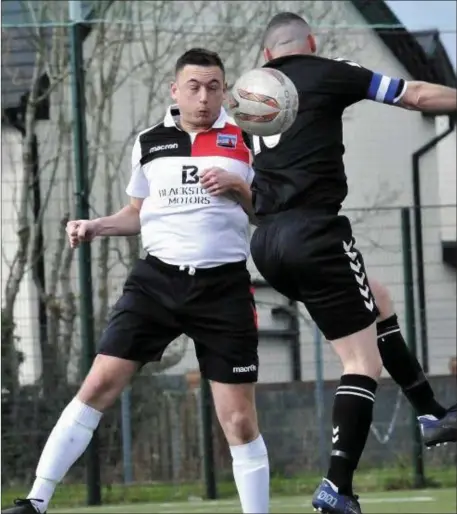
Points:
x=447 y=181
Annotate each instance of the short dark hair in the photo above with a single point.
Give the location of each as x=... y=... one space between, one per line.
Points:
x=282 y=19
x=199 y=57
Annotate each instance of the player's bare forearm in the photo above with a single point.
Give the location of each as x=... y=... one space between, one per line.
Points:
x=126 y=222
x=242 y=192
x=427 y=97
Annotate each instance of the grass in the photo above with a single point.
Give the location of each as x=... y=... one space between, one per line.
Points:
x=293 y=490
x=435 y=501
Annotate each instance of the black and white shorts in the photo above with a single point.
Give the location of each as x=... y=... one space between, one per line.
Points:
x=310 y=256
x=214 y=307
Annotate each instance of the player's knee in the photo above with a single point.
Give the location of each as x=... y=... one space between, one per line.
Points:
x=382 y=298
x=105 y=381
x=373 y=366
x=359 y=353
x=367 y=365
x=97 y=392
x=240 y=426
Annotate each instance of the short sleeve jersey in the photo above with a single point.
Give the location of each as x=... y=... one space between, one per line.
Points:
x=304 y=166
x=181 y=223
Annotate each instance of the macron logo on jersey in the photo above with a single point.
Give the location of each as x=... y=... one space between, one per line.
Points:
x=384 y=89
x=158 y=148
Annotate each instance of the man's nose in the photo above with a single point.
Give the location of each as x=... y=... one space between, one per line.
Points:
x=203 y=96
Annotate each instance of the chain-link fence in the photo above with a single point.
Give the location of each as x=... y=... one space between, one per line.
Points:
x=155 y=433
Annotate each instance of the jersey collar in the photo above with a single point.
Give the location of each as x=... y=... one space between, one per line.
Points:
x=172 y=117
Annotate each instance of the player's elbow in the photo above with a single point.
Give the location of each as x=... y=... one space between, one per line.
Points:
x=414 y=97
x=136 y=203
x=427 y=97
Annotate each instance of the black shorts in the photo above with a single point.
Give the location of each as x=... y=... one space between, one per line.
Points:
x=214 y=307
x=309 y=256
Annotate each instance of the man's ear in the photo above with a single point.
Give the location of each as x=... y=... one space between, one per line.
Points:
x=173 y=90
x=312 y=43
x=267 y=55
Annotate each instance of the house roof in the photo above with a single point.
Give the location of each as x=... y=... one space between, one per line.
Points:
x=421 y=53
x=18 y=48
x=19 y=53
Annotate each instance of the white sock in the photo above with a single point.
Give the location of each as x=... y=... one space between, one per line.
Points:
x=67 y=442
x=252 y=476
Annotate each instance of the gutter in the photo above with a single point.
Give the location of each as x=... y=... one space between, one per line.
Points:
x=419 y=246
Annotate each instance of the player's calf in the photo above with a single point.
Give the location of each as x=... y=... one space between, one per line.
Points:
x=352 y=408
x=359 y=353
x=438 y=425
x=235 y=407
x=74 y=430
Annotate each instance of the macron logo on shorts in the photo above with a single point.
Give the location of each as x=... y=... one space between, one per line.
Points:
x=244 y=369
x=171 y=146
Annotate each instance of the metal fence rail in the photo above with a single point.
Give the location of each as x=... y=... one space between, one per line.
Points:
x=77 y=87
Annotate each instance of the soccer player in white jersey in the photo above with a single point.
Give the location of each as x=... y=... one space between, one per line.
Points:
x=187 y=174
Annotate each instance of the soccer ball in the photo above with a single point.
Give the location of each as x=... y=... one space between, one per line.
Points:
x=263 y=102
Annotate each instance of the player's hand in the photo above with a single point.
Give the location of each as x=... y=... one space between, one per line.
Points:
x=79 y=231
x=218 y=181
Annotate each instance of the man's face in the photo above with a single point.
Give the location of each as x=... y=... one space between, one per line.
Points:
x=199 y=92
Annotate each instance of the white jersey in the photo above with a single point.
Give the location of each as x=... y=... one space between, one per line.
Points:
x=181 y=223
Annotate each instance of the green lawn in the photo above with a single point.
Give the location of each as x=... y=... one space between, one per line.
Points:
x=430 y=501
x=388 y=490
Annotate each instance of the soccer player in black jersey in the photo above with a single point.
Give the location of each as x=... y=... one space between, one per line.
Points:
x=305 y=249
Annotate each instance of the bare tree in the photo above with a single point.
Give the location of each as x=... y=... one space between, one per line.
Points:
x=129 y=56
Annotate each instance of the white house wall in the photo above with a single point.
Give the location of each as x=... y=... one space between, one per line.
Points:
x=379 y=140
x=447 y=182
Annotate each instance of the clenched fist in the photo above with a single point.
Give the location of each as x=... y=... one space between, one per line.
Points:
x=79 y=231
x=218 y=181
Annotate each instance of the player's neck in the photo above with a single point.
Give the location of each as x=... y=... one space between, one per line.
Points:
x=291 y=53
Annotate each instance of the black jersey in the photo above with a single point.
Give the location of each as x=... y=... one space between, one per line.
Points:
x=304 y=166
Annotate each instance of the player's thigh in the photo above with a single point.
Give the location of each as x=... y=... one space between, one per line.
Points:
x=332 y=280
x=383 y=299
x=223 y=324
x=143 y=321
x=269 y=247
x=136 y=336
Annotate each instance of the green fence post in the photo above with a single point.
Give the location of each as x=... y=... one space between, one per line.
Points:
x=209 y=470
x=82 y=212
x=410 y=318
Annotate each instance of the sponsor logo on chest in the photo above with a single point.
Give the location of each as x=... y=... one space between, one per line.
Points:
x=226 y=140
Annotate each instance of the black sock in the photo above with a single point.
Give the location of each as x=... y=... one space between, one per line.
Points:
x=352 y=416
x=405 y=369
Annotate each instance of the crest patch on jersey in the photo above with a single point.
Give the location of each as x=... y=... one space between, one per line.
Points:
x=226 y=140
